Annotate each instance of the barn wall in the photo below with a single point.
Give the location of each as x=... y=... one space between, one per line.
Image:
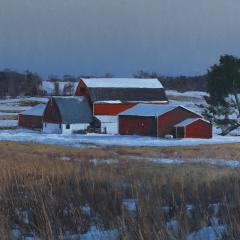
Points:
x=111 y=109
x=82 y=90
x=198 y=129
x=135 y=125
x=52 y=128
x=28 y=121
x=51 y=113
x=167 y=121
x=74 y=127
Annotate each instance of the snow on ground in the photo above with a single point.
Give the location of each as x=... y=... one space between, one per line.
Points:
x=22 y=99
x=129 y=204
x=213 y=162
x=77 y=140
x=8 y=123
x=8 y=114
x=208 y=233
x=13 y=108
x=195 y=94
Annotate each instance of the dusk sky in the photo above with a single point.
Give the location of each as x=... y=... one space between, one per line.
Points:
x=93 y=37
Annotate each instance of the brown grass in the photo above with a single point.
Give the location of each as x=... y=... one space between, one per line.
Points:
x=34 y=178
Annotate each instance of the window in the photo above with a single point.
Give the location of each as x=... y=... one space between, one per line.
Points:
x=60 y=125
x=68 y=126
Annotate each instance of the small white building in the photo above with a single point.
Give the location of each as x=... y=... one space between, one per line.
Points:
x=66 y=115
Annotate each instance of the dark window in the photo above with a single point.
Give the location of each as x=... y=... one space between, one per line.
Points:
x=68 y=126
x=60 y=125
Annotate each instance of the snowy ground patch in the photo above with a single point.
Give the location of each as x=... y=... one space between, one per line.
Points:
x=8 y=123
x=129 y=204
x=214 y=162
x=87 y=140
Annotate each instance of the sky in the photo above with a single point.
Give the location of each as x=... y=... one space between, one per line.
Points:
x=93 y=37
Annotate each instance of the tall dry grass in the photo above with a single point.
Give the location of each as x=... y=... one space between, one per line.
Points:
x=35 y=180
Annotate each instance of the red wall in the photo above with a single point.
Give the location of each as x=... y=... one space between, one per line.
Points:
x=29 y=121
x=51 y=113
x=167 y=121
x=111 y=109
x=199 y=129
x=135 y=125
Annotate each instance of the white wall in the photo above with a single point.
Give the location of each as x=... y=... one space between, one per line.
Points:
x=74 y=127
x=51 y=128
x=54 y=128
x=108 y=123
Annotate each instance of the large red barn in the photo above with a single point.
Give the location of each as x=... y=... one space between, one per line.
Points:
x=111 y=96
x=154 y=120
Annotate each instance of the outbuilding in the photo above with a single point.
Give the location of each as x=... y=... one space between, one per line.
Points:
x=193 y=128
x=153 y=119
x=67 y=115
x=32 y=118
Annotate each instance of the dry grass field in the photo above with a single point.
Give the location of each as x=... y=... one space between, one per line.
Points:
x=43 y=190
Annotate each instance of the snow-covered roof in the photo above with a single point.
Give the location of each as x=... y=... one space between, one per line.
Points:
x=37 y=110
x=148 y=110
x=122 y=82
x=189 y=121
x=110 y=102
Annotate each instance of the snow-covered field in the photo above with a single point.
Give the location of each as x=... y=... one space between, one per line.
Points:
x=106 y=140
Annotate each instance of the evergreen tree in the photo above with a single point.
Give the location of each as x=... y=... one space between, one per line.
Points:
x=223 y=86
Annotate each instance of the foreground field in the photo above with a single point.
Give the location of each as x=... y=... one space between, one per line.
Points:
x=54 y=192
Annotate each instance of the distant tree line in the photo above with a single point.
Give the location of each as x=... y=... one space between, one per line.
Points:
x=14 y=84
x=180 y=83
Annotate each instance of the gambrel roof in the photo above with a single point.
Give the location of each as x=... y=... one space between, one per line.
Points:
x=74 y=109
x=125 y=89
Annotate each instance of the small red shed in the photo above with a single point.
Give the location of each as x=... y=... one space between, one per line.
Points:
x=153 y=119
x=193 y=128
x=32 y=118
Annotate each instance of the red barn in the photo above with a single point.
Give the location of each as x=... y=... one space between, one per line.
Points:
x=111 y=96
x=193 y=128
x=153 y=120
x=67 y=115
x=32 y=118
